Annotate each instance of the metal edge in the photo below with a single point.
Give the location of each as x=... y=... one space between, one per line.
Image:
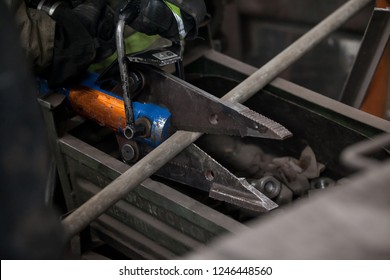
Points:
x=303 y=93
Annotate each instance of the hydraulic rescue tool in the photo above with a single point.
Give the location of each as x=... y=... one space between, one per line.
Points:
x=163 y=104
x=114 y=204
x=145 y=105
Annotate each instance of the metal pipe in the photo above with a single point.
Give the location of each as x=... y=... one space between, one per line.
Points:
x=117 y=189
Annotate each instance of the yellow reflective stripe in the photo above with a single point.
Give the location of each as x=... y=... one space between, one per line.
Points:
x=177 y=13
x=173 y=8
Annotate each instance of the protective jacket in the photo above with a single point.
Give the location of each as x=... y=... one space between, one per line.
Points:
x=62 y=46
x=37 y=31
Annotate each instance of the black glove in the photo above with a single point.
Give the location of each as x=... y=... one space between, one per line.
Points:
x=84 y=35
x=193 y=13
x=99 y=20
x=155 y=17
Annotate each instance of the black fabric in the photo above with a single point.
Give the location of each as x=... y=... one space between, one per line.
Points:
x=99 y=20
x=129 y=10
x=190 y=26
x=74 y=48
x=84 y=35
x=89 y=14
x=32 y=3
x=194 y=12
x=154 y=17
x=106 y=34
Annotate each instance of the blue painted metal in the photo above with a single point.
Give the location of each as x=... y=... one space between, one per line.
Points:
x=90 y=82
x=160 y=119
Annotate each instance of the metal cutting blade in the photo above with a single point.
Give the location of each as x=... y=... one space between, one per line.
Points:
x=195 y=110
x=195 y=168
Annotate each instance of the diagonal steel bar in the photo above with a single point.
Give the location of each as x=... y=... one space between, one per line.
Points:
x=366 y=62
x=117 y=189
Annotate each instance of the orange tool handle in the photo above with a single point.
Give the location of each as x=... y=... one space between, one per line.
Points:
x=104 y=109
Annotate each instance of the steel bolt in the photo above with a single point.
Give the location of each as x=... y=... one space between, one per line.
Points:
x=268 y=185
x=128 y=152
x=322 y=183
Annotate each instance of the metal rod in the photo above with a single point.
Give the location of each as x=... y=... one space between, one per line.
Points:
x=117 y=189
x=296 y=50
x=366 y=62
x=120 y=46
x=179 y=64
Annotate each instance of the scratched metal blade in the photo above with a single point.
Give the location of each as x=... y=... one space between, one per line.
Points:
x=193 y=109
x=195 y=168
x=251 y=198
x=270 y=128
